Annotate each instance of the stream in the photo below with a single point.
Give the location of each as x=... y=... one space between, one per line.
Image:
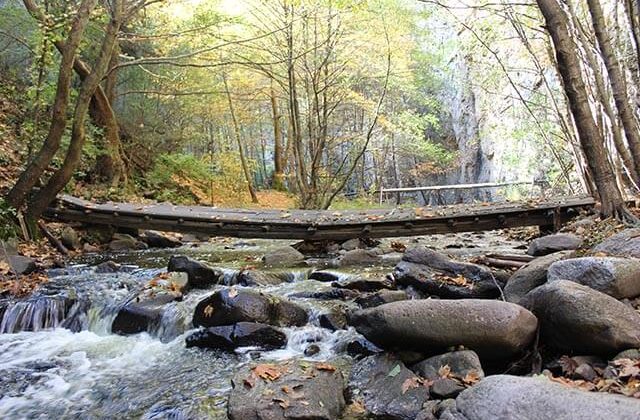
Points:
x=74 y=367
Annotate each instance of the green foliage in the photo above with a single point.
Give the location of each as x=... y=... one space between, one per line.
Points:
x=8 y=226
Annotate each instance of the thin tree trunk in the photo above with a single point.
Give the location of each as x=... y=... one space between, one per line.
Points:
x=30 y=176
x=617 y=80
x=278 y=171
x=236 y=129
x=570 y=68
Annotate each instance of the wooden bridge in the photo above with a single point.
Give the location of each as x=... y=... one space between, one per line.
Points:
x=317 y=225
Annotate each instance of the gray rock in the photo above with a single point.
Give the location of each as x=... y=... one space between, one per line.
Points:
x=578 y=318
x=126 y=244
x=334 y=320
x=331 y=294
x=513 y=397
x=427 y=271
x=21 y=265
x=628 y=354
x=531 y=275
x=461 y=363
x=262 y=278
x=553 y=243
x=615 y=276
x=242 y=334
x=283 y=257
x=159 y=240
x=70 y=239
x=623 y=244
x=142 y=314
x=380 y=298
x=200 y=274
x=444 y=388
x=107 y=267
x=352 y=244
x=302 y=391
x=358 y=257
x=364 y=284
x=494 y=329
x=377 y=381
x=229 y=306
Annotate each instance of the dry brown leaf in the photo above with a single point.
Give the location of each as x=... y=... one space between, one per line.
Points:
x=411 y=383
x=325 y=366
x=471 y=377
x=444 y=371
x=268 y=371
x=208 y=311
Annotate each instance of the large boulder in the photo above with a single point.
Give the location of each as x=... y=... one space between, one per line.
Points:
x=386 y=388
x=200 y=274
x=554 y=243
x=615 y=276
x=531 y=275
x=228 y=306
x=435 y=274
x=623 y=244
x=286 y=256
x=460 y=363
x=330 y=294
x=242 y=334
x=292 y=390
x=578 y=318
x=156 y=239
x=513 y=397
x=494 y=329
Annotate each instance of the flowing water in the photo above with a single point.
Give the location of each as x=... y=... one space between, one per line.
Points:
x=59 y=359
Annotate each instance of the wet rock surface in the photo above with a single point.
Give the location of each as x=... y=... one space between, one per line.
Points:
x=242 y=334
x=287 y=391
x=578 y=318
x=156 y=239
x=283 y=257
x=386 y=388
x=228 y=306
x=200 y=274
x=492 y=328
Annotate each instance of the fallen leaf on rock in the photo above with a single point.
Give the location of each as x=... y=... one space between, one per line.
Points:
x=208 y=311
x=282 y=403
x=325 y=366
x=411 y=383
x=233 y=292
x=395 y=371
x=471 y=377
x=444 y=371
x=268 y=371
x=250 y=381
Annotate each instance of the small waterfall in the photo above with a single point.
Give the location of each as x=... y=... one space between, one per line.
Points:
x=35 y=314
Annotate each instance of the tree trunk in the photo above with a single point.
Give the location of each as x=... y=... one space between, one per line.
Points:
x=29 y=177
x=591 y=140
x=236 y=129
x=88 y=87
x=618 y=81
x=278 y=171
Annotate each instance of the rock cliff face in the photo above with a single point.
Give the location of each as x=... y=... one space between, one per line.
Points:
x=475 y=163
